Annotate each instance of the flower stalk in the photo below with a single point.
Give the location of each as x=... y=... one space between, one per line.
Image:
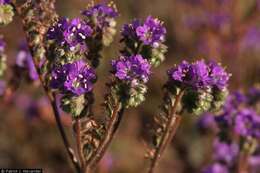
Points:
x=170 y=131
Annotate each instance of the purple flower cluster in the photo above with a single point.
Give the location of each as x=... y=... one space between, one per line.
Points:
x=76 y=78
x=216 y=168
x=24 y=60
x=101 y=15
x=247 y=123
x=70 y=33
x=133 y=69
x=226 y=152
x=199 y=75
x=151 y=32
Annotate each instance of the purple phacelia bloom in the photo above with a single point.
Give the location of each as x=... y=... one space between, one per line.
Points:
x=151 y=32
x=199 y=75
x=77 y=32
x=190 y=75
x=70 y=32
x=218 y=77
x=24 y=60
x=226 y=152
x=216 y=168
x=76 y=78
x=129 y=30
x=102 y=15
x=134 y=69
x=247 y=123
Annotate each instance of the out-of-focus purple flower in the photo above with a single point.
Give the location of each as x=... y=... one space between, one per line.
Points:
x=134 y=69
x=247 y=123
x=218 y=77
x=234 y=100
x=253 y=95
x=216 y=168
x=254 y=161
x=2 y=87
x=70 y=32
x=207 y=121
x=2 y=44
x=76 y=78
x=24 y=60
x=101 y=14
x=218 y=20
x=251 y=39
x=199 y=75
x=2 y=2
x=151 y=32
x=225 y=152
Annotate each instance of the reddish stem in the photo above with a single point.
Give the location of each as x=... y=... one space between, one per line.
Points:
x=170 y=131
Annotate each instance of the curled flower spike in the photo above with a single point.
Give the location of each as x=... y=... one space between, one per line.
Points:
x=146 y=38
x=131 y=73
x=75 y=78
x=101 y=18
x=193 y=87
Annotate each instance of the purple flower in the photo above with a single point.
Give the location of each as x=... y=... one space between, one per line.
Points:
x=251 y=39
x=207 y=121
x=134 y=69
x=2 y=44
x=218 y=20
x=216 y=168
x=247 y=123
x=225 y=152
x=151 y=32
x=218 y=77
x=192 y=75
x=77 y=32
x=102 y=15
x=70 y=33
x=129 y=30
x=199 y=75
x=24 y=60
x=77 y=78
x=2 y=2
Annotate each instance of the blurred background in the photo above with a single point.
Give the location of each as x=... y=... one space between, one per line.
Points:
x=227 y=31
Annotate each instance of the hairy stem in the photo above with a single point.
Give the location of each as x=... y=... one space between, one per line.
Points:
x=110 y=132
x=170 y=131
x=50 y=95
x=243 y=166
x=78 y=141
